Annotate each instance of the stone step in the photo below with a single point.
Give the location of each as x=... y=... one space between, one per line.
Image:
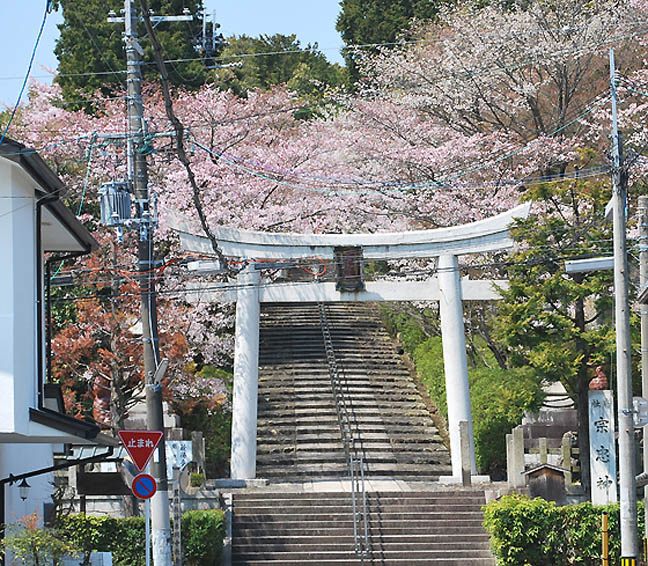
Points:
x=378 y=539
x=298 y=419
x=432 y=547
x=325 y=396
x=327 y=435
x=365 y=562
x=349 y=561
x=371 y=459
x=318 y=369
x=305 y=421
x=386 y=469
x=389 y=511
x=308 y=557
x=356 y=405
x=373 y=446
x=365 y=436
x=415 y=411
x=316 y=499
x=355 y=396
x=342 y=528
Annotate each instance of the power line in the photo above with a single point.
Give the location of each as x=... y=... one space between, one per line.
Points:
x=452 y=173
x=437 y=184
x=581 y=251
x=236 y=286
x=48 y=6
x=99 y=50
x=531 y=61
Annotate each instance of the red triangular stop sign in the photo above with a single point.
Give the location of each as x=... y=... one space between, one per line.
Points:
x=140 y=444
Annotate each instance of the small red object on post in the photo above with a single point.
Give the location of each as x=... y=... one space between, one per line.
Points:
x=600 y=382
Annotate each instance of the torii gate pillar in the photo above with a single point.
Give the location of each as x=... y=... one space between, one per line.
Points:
x=454 y=359
x=246 y=370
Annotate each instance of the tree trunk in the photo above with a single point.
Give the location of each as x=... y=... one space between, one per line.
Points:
x=583 y=436
x=583 y=398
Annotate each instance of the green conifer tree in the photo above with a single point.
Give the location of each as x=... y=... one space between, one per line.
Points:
x=90 y=50
x=561 y=324
x=363 y=22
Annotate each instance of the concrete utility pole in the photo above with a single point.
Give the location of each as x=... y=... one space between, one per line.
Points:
x=627 y=485
x=138 y=173
x=643 y=281
x=153 y=368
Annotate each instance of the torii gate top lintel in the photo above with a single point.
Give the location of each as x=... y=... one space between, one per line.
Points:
x=489 y=234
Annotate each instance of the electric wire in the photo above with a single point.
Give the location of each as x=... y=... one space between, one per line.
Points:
x=388 y=188
x=99 y=50
x=48 y=6
x=236 y=161
x=224 y=288
x=83 y=193
x=604 y=245
x=548 y=57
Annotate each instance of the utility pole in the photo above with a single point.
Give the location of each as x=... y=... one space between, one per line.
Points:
x=643 y=313
x=138 y=173
x=627 y=485
x=153 y=368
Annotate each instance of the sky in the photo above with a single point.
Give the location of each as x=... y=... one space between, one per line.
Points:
x=312 y=21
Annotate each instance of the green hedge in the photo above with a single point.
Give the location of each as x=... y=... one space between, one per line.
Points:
x=535 y=532
x=202 y=537
x=499 y=398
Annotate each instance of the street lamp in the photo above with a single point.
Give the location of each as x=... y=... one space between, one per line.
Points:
x=23 y=489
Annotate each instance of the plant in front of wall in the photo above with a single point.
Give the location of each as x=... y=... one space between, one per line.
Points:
x=35 y=546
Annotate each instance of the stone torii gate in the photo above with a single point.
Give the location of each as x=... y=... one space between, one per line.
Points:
x=447 y=287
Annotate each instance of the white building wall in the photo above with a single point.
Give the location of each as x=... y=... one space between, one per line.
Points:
x=18 y=362
x=21 y=458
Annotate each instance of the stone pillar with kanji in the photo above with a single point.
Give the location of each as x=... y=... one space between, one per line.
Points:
x=602 y=445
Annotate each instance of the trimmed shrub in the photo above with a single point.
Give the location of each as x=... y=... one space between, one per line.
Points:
x=202 y=537
x=523 y=531
x=499 y=398
x=535 y=532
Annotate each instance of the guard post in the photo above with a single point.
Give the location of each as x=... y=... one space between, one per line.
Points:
x=605 y=550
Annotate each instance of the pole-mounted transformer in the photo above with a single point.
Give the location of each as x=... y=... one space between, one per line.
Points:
x=115 y=199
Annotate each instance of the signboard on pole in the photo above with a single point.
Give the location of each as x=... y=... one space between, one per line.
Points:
x=178 y=455
x=140 y=444
x=144 y=486
x=602 y=447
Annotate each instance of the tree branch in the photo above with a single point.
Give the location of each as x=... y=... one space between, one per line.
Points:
x=179 y=129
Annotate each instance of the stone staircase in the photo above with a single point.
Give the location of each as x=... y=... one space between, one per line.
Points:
x=298 y=431
x=305 y=516
x=405 y=528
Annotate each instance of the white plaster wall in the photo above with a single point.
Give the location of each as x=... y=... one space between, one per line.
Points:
x=20 y=458
x=18 y=360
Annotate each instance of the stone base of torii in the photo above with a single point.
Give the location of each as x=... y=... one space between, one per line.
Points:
x=447 y=287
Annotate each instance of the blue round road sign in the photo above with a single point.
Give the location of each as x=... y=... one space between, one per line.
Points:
x=144 y=486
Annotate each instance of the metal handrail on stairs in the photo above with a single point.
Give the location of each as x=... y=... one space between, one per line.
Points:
x=352 y=444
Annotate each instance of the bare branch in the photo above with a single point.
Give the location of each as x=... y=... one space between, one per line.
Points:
x=178 y=128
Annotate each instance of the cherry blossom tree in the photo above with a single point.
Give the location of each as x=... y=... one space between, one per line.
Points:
x=446 y=130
